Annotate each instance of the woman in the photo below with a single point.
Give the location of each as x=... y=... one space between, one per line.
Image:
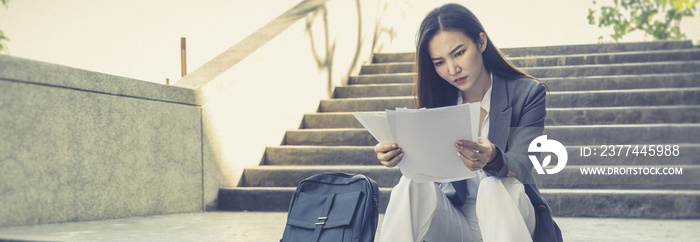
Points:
x=457 y=63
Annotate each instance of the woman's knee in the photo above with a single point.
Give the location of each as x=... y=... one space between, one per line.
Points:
x=412 y=186
x=489 y=183
x=514 y=187
x=416 y=192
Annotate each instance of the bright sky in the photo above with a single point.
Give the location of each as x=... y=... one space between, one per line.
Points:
x=141 y=39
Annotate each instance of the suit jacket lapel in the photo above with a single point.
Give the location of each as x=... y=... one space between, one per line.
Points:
x=500 y=113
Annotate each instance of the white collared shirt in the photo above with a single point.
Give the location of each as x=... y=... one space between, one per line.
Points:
x=473 y=183
x=485 y=105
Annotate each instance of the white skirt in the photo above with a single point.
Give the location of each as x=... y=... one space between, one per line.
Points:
x=421 y=212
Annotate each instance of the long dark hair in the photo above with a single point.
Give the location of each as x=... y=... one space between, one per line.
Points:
x=430 y=89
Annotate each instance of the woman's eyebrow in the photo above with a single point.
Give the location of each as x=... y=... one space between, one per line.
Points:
x=451 y=52
x=455 y=49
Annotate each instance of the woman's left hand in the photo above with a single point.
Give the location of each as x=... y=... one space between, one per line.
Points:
x=476 y=155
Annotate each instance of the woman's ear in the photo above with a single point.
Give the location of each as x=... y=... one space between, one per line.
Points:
x=483 y=41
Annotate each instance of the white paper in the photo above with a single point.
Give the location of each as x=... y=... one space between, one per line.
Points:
x=391 y=119
x=427 y=138
x=475 y=113
x=377 y=125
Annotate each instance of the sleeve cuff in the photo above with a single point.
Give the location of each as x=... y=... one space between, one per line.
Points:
x=504 y=169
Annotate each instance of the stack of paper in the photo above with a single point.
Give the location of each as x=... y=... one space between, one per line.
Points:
x=427 y=138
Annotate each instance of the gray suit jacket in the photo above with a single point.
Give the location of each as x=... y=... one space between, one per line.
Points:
x=516 y=118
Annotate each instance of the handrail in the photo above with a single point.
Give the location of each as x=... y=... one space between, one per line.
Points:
x=232 y=56
x=183 y=56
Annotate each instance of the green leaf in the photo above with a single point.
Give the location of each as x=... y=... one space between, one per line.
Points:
x=626 y=16
x=591 y=16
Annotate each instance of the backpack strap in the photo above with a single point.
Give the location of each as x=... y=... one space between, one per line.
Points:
x=322 y=219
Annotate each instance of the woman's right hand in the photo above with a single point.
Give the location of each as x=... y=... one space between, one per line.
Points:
x=389 y=154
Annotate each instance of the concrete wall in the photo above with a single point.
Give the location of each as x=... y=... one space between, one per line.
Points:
x=77 y=145
x=255 y=91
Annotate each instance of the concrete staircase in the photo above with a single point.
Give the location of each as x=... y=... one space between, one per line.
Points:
x=608 y=94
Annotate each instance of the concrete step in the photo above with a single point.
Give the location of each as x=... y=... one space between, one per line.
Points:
x=568 y=135
x=559 y=50
x=625 y=98
x=555 y=116
x=329 y=137
x=390 y=78
x=561 y=99
x=269 y=226
x=623 y=115
x=597 y=48
x=626 y=134
x=366 y=104
x=320 y=155
x=374 y=90
x=614 y=69
x=599 y=58
x=673 y=80
x=290 y=176
x=330 y=120
x=565 y=71
x=271 y=198
x=627 y=203
x=570 y=177
x=608 y=58
x=386 y=68
x=634 y=81
x=563 y=202
x=621 y=82
x=293 y=155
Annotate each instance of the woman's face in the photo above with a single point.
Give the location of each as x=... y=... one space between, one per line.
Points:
x=457 y=59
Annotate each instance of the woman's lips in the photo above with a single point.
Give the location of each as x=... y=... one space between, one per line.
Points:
x=460 y=80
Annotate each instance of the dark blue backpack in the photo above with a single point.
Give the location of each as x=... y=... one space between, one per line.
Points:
x=333 y=207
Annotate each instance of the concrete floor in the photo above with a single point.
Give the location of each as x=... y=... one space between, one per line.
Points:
x=268 y=226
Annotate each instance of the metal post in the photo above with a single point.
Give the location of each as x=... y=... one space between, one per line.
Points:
x=183 y=56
